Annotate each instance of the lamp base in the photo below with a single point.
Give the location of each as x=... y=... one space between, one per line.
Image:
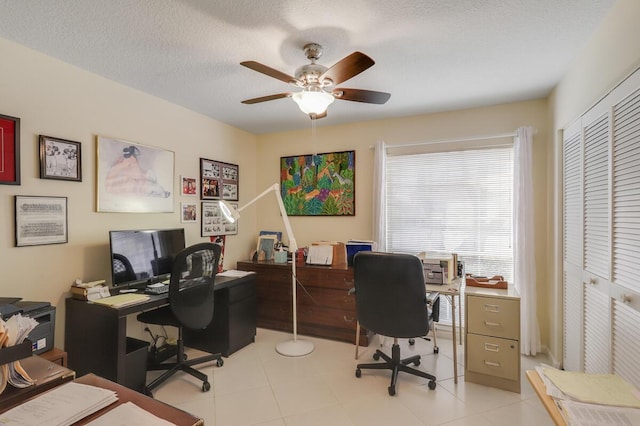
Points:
x=295 y=347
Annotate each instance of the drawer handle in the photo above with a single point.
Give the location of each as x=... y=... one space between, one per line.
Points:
x=491 y=308
x=348 y=283
x=492 y=324
x=491 y=347
x=348 y=319
x=492 y=364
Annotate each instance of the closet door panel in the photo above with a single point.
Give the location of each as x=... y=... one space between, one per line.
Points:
x=626 y=192
x=597 y=327
x=626 y=337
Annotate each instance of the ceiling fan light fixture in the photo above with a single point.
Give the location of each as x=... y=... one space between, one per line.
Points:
x=313 y=102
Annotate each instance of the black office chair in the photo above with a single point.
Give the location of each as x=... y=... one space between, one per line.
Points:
x=190 y=305
x=391 y=301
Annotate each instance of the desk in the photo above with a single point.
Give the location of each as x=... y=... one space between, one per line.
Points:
x=157 y=408
x=450 y=291
x=547 y=401
x=46 y=374
x=95 y=335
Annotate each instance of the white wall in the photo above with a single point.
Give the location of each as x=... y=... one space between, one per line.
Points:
x=59 y=100
x=611 y=55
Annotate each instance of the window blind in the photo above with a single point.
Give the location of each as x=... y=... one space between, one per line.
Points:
x=453 y=201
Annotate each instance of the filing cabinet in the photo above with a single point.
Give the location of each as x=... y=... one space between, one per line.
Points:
x=492 y=337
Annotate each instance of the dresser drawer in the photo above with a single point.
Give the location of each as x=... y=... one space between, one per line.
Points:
x=493 y=316
x=493 y=356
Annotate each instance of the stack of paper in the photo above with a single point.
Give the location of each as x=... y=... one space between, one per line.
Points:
x=129 y=414
x=13 y=332
x=121 y=300
x=588 y=399
x=63 y=405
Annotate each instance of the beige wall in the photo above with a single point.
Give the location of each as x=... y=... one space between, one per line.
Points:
x=360 y=136
x=57 y=99
x=611 y=55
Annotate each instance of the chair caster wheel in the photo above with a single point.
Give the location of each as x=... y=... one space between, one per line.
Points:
x=412 y=342
x=432 y=384
x=416 y=363
x=184 y=357
x=219 y=362
x=376 y=356
x=436 y=349
x=147 y=392
x=392 y=391
x=206 y=386
x=358 y=372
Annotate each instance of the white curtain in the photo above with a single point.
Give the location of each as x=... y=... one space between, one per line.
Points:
x=524 y=240
x=379 y=196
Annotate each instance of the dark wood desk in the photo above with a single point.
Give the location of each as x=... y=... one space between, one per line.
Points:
x=157 y=408
x=325 y=309
x=46 y=374
x=96 y=335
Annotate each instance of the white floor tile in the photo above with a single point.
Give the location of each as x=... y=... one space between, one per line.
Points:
x=258 y=387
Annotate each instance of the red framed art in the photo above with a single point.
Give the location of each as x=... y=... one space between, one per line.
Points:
x=9 y=150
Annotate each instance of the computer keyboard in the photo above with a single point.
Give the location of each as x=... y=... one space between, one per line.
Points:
x=157 y=289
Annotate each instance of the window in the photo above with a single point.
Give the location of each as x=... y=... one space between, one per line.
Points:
x=453 y=201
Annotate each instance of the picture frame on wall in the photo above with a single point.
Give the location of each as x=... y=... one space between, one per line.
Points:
x=188 y=186
x=218 y=180
x=319 y=184
x=60 y=159
x=134 y=178
x=9 y=150
x=188 y=212
x=214 y=222
x=40 y=220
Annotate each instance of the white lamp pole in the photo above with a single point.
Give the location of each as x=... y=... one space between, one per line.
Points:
x=294 y=347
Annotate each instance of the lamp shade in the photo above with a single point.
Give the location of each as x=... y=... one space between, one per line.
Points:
x=313 y=102
x=228 y=211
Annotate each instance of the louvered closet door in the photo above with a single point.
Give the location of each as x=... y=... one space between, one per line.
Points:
x=626 y=232
x=572 y=248
x=596 y=202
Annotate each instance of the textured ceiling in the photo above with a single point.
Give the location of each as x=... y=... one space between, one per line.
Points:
x=431 y=55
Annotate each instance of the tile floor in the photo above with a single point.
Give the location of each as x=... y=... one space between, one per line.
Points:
x=257 y=386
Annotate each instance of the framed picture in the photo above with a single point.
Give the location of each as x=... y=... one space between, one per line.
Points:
x=319 y=184
x=189 y=212
x=9 y=150
x=188 y=185
x=60 y=159
x=40 y=220
x=133 y=178
x=214 y=222
x=266 y=246
x=218 y=180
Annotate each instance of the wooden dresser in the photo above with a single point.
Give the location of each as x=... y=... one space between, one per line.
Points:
x=492 y=337
x=325 y=309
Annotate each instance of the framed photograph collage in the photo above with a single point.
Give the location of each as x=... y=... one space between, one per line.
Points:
x=218 y=181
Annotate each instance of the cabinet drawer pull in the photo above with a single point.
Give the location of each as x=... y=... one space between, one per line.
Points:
x=348 y=319
x=492 y=308
x=492 y=364
x=492 y=324
x=348 y=283
x=491 y=347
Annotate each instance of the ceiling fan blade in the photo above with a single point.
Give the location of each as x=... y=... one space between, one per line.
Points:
x=266 y=98
x=348 y=67
x=256 y=66
x=358 y=95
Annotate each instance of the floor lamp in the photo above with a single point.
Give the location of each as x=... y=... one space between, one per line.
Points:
x=294 y=347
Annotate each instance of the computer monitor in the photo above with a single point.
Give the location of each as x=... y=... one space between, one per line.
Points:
x=143 y=256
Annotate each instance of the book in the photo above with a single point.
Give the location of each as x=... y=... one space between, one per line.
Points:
x=89 y=293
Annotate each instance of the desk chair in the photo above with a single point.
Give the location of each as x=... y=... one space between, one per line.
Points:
x=190 y=305
x=391 y=301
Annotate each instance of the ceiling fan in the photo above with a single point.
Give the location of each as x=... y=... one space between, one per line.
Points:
x=316 y=82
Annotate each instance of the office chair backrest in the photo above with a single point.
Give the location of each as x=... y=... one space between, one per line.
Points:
x=390 y=294
x=191 y=287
